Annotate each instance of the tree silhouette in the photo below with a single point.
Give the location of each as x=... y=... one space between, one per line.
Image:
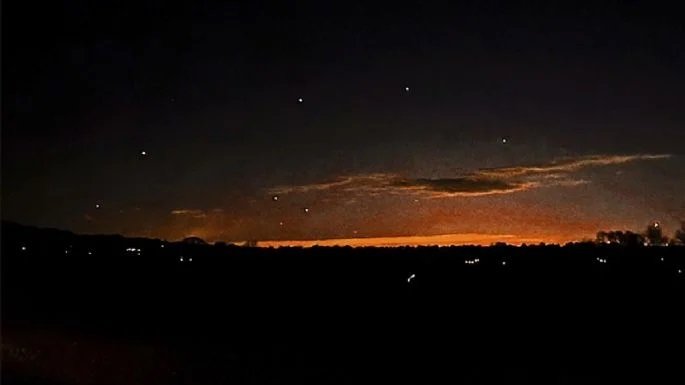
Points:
x=655 y=235
x=679 y=236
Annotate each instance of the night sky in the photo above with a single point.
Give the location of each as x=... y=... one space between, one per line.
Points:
x=456 y=122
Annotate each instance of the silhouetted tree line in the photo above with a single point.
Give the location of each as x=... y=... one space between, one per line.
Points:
x=653 y=236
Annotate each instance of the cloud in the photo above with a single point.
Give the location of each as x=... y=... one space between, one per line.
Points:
x=487 y=181
x=345 y=183
x=190 y=212
x=567 y=165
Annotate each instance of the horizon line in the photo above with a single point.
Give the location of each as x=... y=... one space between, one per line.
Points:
x=452 y=239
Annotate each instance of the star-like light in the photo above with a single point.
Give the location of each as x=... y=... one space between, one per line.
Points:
x=274 y=198
x=306 y=210
x=143 y=153
x=406 y=89
x=300 y=100
x=411 y=277
x=504 y=140
x=97 y=205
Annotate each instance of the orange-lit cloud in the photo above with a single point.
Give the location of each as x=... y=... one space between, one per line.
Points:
x=503 y=180
x=193 y=213
x=568 y=165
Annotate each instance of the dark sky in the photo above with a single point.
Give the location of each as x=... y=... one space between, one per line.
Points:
x=541 y=120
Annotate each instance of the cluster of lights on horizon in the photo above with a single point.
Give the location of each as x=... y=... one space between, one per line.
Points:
x=470 y=261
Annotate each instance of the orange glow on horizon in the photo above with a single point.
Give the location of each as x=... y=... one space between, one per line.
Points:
x=421 y=240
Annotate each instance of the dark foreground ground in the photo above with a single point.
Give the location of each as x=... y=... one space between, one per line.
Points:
x=544 y=315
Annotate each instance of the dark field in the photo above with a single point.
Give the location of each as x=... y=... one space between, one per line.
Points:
x=546 y=315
